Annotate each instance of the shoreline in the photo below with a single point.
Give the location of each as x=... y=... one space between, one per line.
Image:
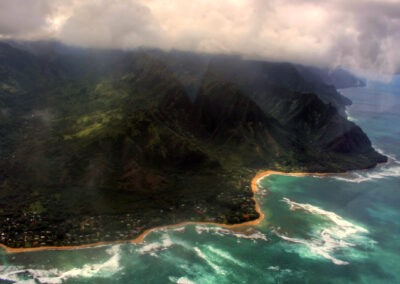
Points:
x=260 y=175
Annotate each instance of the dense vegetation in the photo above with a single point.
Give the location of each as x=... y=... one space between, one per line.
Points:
x=101 y=145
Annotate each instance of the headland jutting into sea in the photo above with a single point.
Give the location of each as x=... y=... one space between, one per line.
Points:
x=254 y=186
x=113 y=145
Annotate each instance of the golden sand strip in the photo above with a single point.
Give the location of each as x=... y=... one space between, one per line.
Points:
x=140 y=238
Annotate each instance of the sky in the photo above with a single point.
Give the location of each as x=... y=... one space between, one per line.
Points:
x=359 y=34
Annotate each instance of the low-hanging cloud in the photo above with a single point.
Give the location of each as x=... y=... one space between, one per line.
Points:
x=20 y=18
x=358 y=33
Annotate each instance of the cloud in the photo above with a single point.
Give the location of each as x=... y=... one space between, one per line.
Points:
x=22 y=18
x=357 y=33
x=376 y=30
x=111 y=23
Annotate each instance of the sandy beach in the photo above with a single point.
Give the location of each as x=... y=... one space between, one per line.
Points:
x=141 y=237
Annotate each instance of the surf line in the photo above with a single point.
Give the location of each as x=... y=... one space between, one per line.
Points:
x=140 y=238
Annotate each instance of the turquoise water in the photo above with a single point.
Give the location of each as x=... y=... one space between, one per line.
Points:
x=336 y=229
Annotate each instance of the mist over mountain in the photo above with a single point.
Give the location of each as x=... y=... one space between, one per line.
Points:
x=352 y=34
x=106 y=133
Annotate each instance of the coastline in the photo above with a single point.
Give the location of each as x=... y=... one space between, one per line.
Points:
x=260 y=175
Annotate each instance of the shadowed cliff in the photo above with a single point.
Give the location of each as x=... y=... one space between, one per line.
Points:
x=162 y=137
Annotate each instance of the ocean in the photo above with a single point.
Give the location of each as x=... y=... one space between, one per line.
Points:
x=330 y=229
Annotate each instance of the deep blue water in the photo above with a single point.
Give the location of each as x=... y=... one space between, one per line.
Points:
x=336 y=229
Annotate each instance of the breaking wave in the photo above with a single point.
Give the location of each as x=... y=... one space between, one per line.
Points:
x=338 y=235
x=391 y=157
x=154 y=247
x=349 y=117
x=254 y=235
x=226 y=256
x=17 y=274
x=358 y=177
x=208 y=261
x=180 y=280
x=391 y=169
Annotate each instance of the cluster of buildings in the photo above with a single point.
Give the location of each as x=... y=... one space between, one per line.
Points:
x=39 y=230
x=35 y=230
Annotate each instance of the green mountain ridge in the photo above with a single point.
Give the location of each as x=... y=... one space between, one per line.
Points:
x=106 y=144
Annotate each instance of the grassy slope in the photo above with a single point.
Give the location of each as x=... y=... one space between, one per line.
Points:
x=107 y=135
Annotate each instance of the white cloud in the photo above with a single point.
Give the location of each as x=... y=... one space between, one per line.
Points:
x=22 y=18
x=114 y=23
x=357 y=33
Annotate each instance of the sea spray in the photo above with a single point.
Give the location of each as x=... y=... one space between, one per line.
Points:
x=153 y=247
x=381 y=172
x=254 y=235
x=55 y=276
x=217 y=269
x=338 y=233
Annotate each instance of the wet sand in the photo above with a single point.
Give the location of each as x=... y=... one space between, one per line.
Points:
x=141 y=237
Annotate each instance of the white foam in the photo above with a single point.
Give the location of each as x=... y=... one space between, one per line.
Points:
x=8 y=273
x=392 y=157
x=223 y=232
x=153 y=247
x=337 y=235
x=316 y=248
x=107 y=268
x=13 y=273
x=392 y=170
x=180 y=280
x=55 y=276
x=349 y=117
x=226 y=256
x=31 y=281
x=209 y=262
x=345 y=228
x=184 y=280
x=179 y=229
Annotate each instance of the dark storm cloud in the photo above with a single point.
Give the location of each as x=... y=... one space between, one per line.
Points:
x=357 y=33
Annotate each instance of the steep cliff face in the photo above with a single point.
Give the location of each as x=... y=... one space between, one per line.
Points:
x=337 y=77
x=276 y=109
x=283 y=129
x=235 y=124
x=110 y=132
x=264 y=79
x=323 y=133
